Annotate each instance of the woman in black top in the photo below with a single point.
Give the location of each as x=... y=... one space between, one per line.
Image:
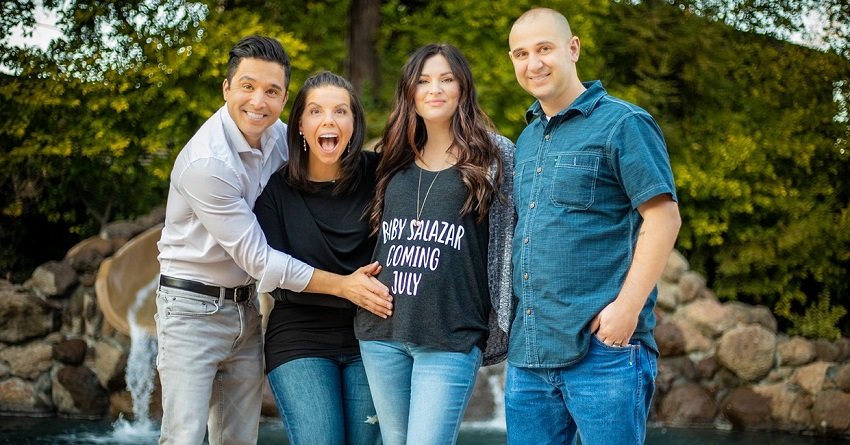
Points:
x=313 y=209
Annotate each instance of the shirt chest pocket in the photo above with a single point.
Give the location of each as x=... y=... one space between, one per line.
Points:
x=574 y=179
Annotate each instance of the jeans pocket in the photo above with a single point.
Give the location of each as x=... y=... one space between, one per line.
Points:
x=177 y=306
x=595 y=338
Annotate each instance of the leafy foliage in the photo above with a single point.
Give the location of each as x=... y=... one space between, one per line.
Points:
x=757 y=128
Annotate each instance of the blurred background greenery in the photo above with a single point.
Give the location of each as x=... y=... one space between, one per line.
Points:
x=757 y=126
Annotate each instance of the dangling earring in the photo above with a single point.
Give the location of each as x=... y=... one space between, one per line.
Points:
x=303 y=141
x=348 y=150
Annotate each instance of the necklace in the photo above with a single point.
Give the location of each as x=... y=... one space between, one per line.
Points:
x=418 y=221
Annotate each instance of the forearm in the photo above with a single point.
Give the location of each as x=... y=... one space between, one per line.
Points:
x=655 y=242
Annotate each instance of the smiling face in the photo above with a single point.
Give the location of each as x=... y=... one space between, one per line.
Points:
x=327 y=124
x=255 y=97
x=544 y=54
x=437 y=91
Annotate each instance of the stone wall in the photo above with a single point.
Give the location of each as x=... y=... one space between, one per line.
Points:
x=723 y=364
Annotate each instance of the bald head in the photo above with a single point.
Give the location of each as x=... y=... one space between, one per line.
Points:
x=545 y=16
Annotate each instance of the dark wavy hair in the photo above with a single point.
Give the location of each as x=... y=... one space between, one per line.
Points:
x=258 y=47
x=405 y=136
x=349 y=175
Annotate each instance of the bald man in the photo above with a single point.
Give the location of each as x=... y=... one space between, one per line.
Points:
x=596 y=220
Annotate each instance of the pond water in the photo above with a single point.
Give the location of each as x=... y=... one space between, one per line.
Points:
x=56 y=431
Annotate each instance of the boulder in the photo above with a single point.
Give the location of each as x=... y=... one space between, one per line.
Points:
x=688 y=404
x=676 y=265
x=749 y=314
x=89 y=253
x=790 y=410
x=691 y=286
x=121 y=231
x=20 y=396
x=52 y=279
x=695 y=341
x=827 y=351
x=24 y=316
x=795 y=351
x=670 y=340
x=70 y=352
x=78 y=392
x=28 y=361
x=811 y=377
x=668 y=296
x=830 y=411
x=747 y=409
x=748 y=351
x=842 y=377
x=709 y=316
x=110 y=365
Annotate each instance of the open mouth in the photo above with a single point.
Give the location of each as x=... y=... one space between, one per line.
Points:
x=328 y=142
x=254 y=116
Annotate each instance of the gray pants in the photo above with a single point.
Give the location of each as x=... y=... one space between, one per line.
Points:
x=210 y=363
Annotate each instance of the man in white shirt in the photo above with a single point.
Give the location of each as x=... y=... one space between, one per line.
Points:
x=214 y=258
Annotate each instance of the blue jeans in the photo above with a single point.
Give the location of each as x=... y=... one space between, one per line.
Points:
x=210 y=362
x=420 y=393
x=605 y=398
x=325 y=400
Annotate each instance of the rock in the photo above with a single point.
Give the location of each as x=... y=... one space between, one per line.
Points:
x=20 y=396
x=110 y=365
x=709 y=316
x=790 y=410
x=670 y=340
x=85 y=396
x=747 y=409
x=52 y=279
x=707 y=367
x=688 y=405
x=24 y=316
x=668 y=296
x=691 y=285
x=748 y=351
x=121 y=230
x=842 y=377
x=89 y=253
x=121 y=404
x=481 y=405
x=695 y=341
x=749 y=314
x=811 y=377
x=673 y=371
x=829 y=413
x=676 y=265
x=154 y=217
x=795 y=351
x=827 y=351
x=70 y=352
x=28 y=361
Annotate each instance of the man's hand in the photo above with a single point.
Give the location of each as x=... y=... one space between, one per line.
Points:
x=364 y=290
x=615 y=324
x=360 y=287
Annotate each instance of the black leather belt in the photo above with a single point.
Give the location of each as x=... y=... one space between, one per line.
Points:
x=237 y=294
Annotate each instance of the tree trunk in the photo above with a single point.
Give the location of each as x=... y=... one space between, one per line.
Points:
x=362 y=61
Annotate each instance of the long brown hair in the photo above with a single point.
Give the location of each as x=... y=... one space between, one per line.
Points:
x=405 y=136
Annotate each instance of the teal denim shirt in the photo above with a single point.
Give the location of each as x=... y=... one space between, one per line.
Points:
x=579 y=179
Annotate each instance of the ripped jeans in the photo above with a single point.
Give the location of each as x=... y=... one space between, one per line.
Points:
x=325 y=400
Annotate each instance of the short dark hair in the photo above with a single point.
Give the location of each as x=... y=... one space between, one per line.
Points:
x=258 y=47
x=349 y=176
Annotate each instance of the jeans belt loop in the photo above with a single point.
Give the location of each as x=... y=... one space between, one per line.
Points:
x=221 y=292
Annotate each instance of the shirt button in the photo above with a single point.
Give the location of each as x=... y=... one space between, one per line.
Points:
x=525 y=276
x=546 y=137
x=528 y=311
x=539 y=169
x=531 y=205
x=525 y=240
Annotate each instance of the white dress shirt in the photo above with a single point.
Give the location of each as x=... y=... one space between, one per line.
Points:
x=211 y=234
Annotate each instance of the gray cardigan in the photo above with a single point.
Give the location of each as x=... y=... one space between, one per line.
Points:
x=502 y=222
